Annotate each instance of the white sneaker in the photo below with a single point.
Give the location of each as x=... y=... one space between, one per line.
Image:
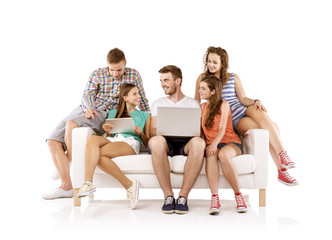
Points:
x=132 y=194
x=86 y=189
x=58 y=193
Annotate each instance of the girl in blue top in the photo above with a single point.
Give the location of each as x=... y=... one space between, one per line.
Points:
x=100 y=150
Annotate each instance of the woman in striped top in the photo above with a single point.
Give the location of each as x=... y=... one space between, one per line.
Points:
x=222 y=142
x=246 y=113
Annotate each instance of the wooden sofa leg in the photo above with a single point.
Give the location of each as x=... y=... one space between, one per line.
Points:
x=77 y=200
x=262 y=197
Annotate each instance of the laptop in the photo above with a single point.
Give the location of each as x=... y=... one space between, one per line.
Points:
x=121 y=124
x=178 y=121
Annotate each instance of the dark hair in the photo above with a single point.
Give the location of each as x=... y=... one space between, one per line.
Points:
x=215 y=101
x=122 y=107
x=224 y=62
x=174 y=70
x=115 y=56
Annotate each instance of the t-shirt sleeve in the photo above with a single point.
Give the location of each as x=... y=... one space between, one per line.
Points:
x=154 y=108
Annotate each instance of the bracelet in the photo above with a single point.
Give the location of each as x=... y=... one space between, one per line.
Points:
x=256 y=100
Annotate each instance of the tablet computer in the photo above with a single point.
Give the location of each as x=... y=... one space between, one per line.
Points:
x=121 y=124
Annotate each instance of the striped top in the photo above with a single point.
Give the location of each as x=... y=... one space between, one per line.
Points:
x=228 y=93
x=210 y=133
x=102 y=90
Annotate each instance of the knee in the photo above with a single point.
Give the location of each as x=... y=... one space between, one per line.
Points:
x=54 y=145
x=157 y=142
x=70 y=125
x=92 y=140
x=197 y=144
x=224 y=158
x=263 y=118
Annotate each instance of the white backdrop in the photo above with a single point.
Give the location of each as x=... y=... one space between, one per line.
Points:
x=281 y=51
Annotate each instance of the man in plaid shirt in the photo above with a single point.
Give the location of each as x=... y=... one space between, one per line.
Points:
x=101 y=94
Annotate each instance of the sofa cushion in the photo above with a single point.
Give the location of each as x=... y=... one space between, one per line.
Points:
x=134 y=164
x=244 y=164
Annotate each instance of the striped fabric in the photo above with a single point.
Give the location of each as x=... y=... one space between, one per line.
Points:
x=229 y=94
x=102 y=90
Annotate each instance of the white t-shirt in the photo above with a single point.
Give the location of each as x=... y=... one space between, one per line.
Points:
x=165 y=102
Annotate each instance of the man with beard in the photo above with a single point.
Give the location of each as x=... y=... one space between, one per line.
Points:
x=160 y=146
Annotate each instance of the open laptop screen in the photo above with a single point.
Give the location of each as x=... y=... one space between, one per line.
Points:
x=178 y=121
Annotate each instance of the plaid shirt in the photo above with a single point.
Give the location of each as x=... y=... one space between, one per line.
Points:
x=102 y=90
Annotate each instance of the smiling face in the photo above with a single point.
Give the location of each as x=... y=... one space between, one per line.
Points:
x=133 y=97
x=214 y=63
x=168 y=84
x=117 y=69
x=204 y=91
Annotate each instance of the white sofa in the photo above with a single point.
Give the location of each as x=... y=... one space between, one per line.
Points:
x=252 y=166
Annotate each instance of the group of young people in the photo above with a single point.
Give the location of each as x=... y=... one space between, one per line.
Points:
x=116 y=91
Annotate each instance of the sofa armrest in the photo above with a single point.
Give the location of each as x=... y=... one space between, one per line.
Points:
x=79 y=139
x=256 y=143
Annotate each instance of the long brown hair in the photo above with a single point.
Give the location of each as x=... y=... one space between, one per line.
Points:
x=224 y=62
x=215 y=100
x=122 y=107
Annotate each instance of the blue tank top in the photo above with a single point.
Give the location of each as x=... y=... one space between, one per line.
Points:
x=228 y=93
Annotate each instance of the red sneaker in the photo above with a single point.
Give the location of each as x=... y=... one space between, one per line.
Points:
x=286 y=162
x=241 y=205
x=286 y=178
x=215 y=204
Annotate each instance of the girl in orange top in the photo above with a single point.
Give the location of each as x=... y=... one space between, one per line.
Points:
x=222 y=142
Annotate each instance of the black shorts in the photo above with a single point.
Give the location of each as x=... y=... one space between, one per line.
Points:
x=175 y=146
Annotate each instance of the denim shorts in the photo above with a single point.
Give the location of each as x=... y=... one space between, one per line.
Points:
x=221 y=145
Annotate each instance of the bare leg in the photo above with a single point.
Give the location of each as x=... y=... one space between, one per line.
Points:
x=68 y=136
x=99 y=152
x=92 y=155
x=265 y=122
x=225 y=156
x=61 y=162
x=212 y=173
x=159 y=150
x=112 y=150
x=275 y=157
x=195 y=151
x=247 y=123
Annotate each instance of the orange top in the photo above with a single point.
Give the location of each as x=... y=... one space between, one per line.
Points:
x=211 y=133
